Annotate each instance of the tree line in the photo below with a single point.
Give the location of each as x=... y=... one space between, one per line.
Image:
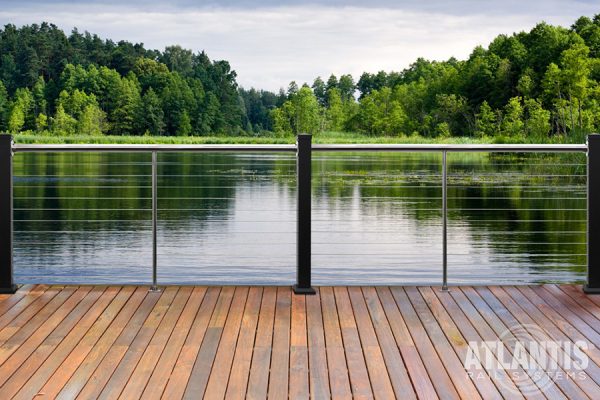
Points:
x=534 y=84
x=51 y=82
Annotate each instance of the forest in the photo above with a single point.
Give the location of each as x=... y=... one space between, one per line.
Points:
x=533 y=85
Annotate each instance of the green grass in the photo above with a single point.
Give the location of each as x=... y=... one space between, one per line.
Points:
x=270 y=138
x=324 y=137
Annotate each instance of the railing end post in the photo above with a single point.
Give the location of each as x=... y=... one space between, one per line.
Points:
x=592 y=285
x=7 y=285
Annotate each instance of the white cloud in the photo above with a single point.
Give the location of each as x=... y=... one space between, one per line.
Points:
x=269 y=47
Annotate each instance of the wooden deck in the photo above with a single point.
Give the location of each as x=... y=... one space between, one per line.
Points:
x=257 y=342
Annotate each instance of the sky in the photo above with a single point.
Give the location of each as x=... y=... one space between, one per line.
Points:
x=272 y=42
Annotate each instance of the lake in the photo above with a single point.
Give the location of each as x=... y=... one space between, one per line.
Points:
x=231 y=218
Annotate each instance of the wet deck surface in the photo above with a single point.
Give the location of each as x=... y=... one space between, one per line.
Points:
x=257 y=342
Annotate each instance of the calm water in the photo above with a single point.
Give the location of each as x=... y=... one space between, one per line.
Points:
x=230 y=218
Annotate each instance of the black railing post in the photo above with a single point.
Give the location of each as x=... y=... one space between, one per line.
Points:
x=7 y=284
x=303 y=233
x=593 y=215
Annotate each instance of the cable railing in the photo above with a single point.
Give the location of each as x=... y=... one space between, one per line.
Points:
x=315 y=224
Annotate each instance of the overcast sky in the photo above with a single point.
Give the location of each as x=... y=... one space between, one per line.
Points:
x=271 y=42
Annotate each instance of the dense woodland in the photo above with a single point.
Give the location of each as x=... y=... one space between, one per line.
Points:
x=533 y=84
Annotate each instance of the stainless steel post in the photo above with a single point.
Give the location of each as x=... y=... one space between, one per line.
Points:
x=444 y=221
x=154 y=287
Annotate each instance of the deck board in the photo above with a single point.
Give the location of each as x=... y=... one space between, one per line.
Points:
x=265 y=342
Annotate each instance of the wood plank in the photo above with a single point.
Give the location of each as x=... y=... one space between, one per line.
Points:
x=15 y=304
x=431 y=360
x=357 y=367
x=261 y=357
x=134 y=352
x=577 y=315
x=523 y=312
x=7 y=301
x=462 y=324
x=164 y=366
x=240 y=369
x=477 y=303
x=547 y=313
x=219 y=375
x=594 y=299
x=9 y=355
x=280 y=356
x=208 y=350
x=185 y=361
x=421 y=381
x=378 y=373
x=548 y=317
x=466 y=386
x=28 y=320
x=54 y=375
x=95 y=370
x=317 y=353
x=581 y=298
x=391 y=353
x=52 y=352
x=299 y=386
x=319 y=375
x=136 y=384
x=339 y=378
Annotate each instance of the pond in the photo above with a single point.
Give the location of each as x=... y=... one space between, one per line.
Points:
x=231 y=218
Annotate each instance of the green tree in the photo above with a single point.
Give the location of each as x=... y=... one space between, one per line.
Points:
x=41 y=122
x=554 y=93
x=381 y=113
x=332 y=82
x=62 y=123
x=320 y=91
x=91 y=121
x=306 y=112
x=21 y=111
x=335 y=111
x=486 y=123
x=346 y=87
x=127 y=102
x=184 y=127
x=537 y=122
x=39 y=97
x=151 y=116
x=300 y=114
x=575 y=72
x=512 y=122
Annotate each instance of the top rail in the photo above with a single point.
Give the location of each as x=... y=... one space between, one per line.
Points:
x=125 y=148
x=518 y=148
x=515 y=148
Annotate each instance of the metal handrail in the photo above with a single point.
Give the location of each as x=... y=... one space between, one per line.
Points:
x=551 y=148
x=487 y=148
x=147 y=148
